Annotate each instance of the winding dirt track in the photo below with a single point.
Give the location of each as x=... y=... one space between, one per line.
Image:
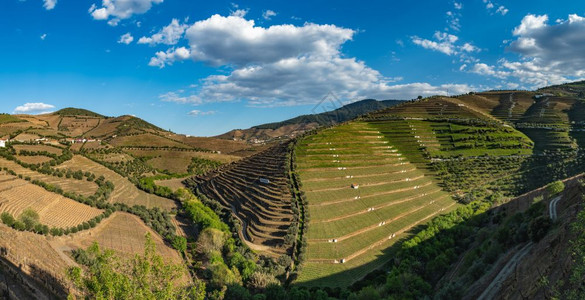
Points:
x=491 y=291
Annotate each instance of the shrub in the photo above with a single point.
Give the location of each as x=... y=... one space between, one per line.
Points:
x=556 y=187
x=7 y=219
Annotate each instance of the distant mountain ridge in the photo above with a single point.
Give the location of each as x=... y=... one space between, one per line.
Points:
x=296 y=125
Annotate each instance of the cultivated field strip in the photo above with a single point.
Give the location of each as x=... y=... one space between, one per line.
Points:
x=124 y=233
x=124 y=190
x=54 y=210
x=82 y=187
x=359 y=207
x=255 y=189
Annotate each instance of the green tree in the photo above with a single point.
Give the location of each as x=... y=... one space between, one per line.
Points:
x=107 y=276
x=29 y=218
x=179 y=243
x=7 y=219
x=556 y=187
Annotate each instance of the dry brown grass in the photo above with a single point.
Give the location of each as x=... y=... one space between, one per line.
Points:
x=174 y=184
x=124 y=191
x=178 y=161
x=38 y=159
x=214 y=144
x=82 y=187
x=145 y=140
x=124 y=233
x=54 y=210
x=26 y=137
x=38 y=148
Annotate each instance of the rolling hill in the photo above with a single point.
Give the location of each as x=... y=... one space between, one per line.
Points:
x=445 y=197
x=295 y=126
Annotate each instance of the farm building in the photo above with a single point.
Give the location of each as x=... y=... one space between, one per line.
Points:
x=355 y=186
x=3 y=143
x=264 y=180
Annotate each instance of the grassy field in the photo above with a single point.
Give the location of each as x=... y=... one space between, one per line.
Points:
x=54 y=210
x=351 y=229
x=124 y=191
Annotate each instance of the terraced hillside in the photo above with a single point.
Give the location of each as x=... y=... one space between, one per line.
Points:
x=255 y=189
x=124 y=190
x=363 y=196
x=17 y=195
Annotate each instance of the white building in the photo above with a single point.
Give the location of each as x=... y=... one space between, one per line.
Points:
x=3 y=143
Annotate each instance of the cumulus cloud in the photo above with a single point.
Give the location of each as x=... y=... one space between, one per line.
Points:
x=164 y=58
x=282 y=65
x=43 y=36
x=116 y=10
x=168 y=35
x=197 y=113
x=34 y=108
x=268 y=14
x=484 y=69
x=126 y=38
x=445 y=43
x=550 y=53
x=49 y=4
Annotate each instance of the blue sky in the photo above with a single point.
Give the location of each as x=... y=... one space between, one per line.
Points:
x=206 y=67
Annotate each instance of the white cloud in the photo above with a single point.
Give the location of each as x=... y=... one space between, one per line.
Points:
x=550 y=53
x=240 y=13
x=446 y=43
x=483 y=69
x=34 y=108
x=530 y=23
x=168 y=35
x=453 y=20
x=49 y=4
x=283 y=65
x=502 y=10
x=116 y=10
x=458 y=5
x=236 y=41
x=196 y=113
x=489 y=5
x=268 y=14
x=126 y=39
x=43 y=36
x=163 y=58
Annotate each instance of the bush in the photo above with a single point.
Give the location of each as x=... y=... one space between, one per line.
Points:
x=556 y=187
x=7 y=219
x=538 y=228
x=179 y=243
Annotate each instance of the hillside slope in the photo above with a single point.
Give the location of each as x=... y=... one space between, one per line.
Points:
x=295 y=126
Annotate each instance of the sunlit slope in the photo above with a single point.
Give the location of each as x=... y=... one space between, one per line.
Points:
x=363 y=196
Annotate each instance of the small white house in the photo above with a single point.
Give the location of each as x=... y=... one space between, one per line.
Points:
x=264 y=180
x=3 y=143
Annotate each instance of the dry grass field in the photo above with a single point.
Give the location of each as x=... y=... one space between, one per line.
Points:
x=38 y=148
x=124 y=191
x=177 y=161
x=34 y=254
x=145 y=140
x=77 y=126
x=37 y=159
x=82 y=187
x=213 y=144
x=124 y=233
x=174 y=184
x=54 y=210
